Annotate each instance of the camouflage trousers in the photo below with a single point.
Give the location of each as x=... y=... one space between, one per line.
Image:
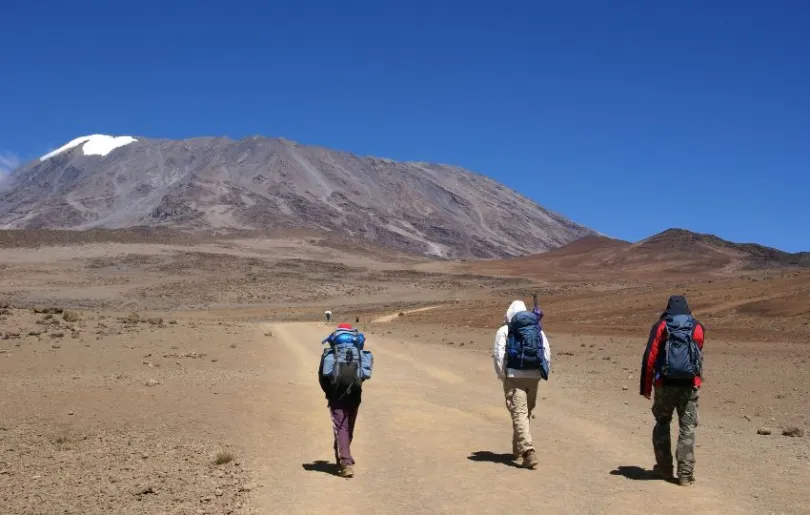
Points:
x=684 y=400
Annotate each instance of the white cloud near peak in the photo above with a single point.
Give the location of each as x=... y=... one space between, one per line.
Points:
x=8 y=162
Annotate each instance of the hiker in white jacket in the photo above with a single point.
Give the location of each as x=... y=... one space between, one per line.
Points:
x=520 y=389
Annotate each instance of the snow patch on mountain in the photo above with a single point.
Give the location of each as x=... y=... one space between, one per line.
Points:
x=93 y=145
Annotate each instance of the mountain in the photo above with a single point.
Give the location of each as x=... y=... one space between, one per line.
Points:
x=261 y=183
x=674 y=252
x=696 y=246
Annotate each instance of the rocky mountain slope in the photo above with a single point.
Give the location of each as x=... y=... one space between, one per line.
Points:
x=261 y=183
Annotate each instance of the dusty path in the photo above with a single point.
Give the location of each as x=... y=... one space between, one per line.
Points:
x=393 y=316
x=431 y=438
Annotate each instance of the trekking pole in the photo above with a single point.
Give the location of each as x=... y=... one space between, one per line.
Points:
x=537 y=311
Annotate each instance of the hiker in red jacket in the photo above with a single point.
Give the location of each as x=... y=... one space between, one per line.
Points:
x=672 y=364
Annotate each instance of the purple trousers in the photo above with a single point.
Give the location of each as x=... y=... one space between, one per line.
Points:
x=344 y=415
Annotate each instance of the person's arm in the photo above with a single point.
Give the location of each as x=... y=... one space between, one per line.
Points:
x=322 y=380
x=650 y=356
x=546 y=348
x=699 y=335
x=499 y=352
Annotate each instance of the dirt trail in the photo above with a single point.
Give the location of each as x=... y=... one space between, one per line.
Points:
x=432 y=436
x=393 y=316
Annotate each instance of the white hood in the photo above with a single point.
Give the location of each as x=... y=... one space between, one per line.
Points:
x=514 y=308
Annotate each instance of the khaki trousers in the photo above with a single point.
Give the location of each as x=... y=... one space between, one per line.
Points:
x=521 y=399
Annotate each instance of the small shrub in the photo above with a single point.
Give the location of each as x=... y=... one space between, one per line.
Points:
x=70 y=316
x=222 y=458
x=793 y=431
x=61 y=439
x=132 y=318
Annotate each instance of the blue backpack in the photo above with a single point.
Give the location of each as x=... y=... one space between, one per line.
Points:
x=345 y=362
x=524 y=344
x=681 y=357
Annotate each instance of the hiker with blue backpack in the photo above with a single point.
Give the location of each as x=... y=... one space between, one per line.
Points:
x=673 y=365
x=522 y=357
x=344 y=366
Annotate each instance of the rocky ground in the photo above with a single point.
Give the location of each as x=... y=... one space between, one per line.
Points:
x=167 y=379
x=106 y=413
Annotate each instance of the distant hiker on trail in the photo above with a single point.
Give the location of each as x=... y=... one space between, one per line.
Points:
x=673 y=364
x=344 y=366
x=328 y=315
x=522 y=357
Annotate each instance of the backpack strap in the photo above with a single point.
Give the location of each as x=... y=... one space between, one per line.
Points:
x=359 y=373
x=355 y=346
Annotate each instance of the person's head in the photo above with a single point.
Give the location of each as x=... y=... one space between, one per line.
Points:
x=514 y=308
x=676 y=305
x=345 y=326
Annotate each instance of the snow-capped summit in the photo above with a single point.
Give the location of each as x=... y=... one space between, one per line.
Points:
x=93 y=145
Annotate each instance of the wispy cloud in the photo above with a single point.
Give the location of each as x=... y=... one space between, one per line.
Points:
x=8 y=162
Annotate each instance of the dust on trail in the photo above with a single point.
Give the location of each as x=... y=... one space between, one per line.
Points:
x=429 y=442
x=393 y=316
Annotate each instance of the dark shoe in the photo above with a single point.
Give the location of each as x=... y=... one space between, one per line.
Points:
x=686 y=480
x=663 y=471
x=346 y=471
x=530 y=460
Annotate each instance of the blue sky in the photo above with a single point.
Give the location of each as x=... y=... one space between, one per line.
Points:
x=627 y=116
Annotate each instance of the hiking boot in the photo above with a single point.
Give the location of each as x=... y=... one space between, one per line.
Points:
x=347 y=471
x=686 y=480
x=663 y=471
x=530 y=460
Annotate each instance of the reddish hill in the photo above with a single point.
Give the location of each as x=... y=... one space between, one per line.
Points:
x=752 y=256
x=675 y=252
x=588 y=244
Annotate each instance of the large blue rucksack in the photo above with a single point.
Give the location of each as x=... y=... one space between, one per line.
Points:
x=524 y=344
x=345 y=362
x=681 y=357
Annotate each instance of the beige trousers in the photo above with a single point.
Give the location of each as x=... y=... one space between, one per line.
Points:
x=521 y=398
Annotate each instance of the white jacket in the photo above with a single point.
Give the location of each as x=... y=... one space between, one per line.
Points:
x=499 y=350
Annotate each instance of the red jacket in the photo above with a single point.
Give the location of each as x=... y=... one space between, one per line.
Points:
x=658 y=336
